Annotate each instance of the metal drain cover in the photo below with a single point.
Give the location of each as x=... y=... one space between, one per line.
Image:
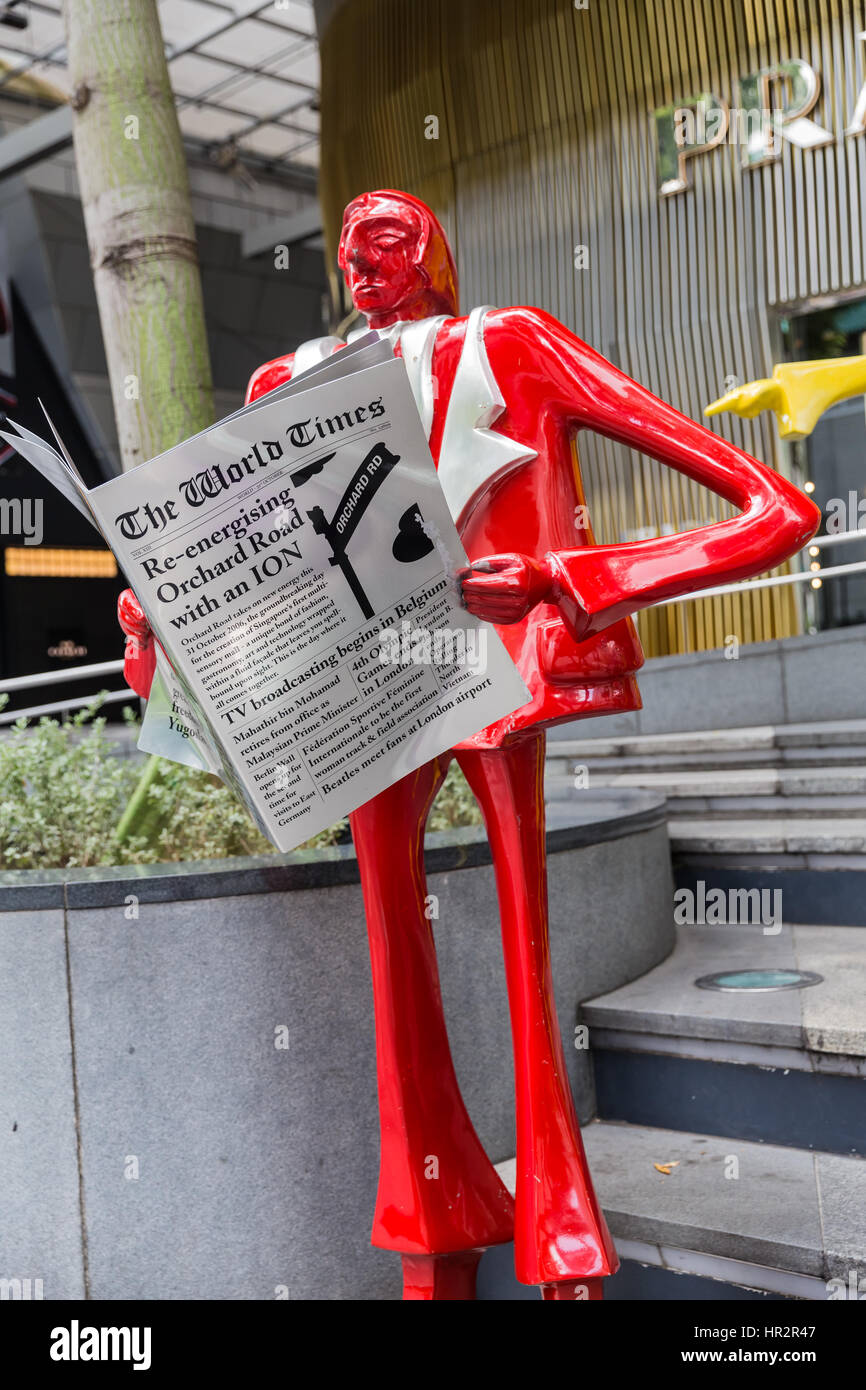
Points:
x=759 y=980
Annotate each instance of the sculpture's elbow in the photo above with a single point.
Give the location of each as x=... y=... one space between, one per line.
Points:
x=790 y=523
x=804 y=519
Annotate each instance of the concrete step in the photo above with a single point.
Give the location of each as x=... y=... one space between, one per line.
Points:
x=763 y=807
x=763 y=781
x=766 y=803
x=753 y=1217
x=770 y=835
x=843 y=734
x=839 y=745
x=786 y=1066
x=827 y=889
x=818 y=863
x=728 y=760
x=742 y=793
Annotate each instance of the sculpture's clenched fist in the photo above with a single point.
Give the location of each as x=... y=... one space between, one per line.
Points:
x=504 y=588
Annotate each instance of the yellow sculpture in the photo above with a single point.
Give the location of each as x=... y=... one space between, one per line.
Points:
x=798 y=393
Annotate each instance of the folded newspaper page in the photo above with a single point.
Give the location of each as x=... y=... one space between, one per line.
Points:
x=296 y=563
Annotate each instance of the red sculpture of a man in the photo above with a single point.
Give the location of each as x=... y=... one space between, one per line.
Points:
x=501 y=394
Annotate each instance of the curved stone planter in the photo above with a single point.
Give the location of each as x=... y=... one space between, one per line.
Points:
x=155 y=1142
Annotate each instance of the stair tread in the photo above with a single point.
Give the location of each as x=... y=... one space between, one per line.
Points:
x=850 y=778
x=754 y=737
x=788 y=1209
x=734 y=808
x=779 y=834
x=728 y=759
x=825 y=1019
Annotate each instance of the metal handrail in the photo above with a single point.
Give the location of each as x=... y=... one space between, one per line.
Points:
x=111 y=697
x=843 y=538
x=58 y=677
x=746 y=585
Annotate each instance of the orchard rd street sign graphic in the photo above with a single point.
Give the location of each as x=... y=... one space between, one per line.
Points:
x=774 y=107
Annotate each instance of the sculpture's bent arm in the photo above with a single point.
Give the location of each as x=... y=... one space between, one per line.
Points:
x=596 y=585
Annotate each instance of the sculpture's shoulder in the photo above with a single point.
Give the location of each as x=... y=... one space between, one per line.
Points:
x=280 y=369
x=523 y=333
x=516 y=318
x=519 y=318
x=501 y=329
x=268 y=376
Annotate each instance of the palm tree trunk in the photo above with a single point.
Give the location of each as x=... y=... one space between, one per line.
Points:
x=135 y=195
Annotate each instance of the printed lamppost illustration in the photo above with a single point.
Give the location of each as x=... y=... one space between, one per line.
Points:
x=501 y=394
x=338 y=531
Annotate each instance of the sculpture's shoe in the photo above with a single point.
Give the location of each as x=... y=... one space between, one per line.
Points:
x=574 y=1291
x=429 y=1278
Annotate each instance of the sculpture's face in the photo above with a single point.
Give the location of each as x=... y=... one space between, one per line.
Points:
x=381 y=260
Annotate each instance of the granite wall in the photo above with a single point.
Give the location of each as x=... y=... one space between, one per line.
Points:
x=188 y=1095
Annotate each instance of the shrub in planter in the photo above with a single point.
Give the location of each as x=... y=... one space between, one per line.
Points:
x=63 y=790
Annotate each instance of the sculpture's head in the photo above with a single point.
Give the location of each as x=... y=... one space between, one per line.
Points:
x=396 y=259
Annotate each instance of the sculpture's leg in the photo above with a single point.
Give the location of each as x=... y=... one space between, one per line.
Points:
x=439 y=1196
x=560 y=1235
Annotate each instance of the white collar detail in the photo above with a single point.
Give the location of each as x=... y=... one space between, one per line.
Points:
x=472 y=455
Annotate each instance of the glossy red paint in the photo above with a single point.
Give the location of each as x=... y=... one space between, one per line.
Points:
x=559 y=1230
x=396 y=259
x=440 y=1278
x=139 y=657
x=438 y=1192
x=562 y=605
x=269 y=376
x=574 y=1291
x=559 y=385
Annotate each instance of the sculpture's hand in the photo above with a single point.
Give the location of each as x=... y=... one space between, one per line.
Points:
x=130 y=615
x=504 y=588
x=751 y=399
x=139 y=658
x=798 y=393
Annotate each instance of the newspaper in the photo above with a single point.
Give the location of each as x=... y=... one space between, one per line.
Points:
x=296 y=563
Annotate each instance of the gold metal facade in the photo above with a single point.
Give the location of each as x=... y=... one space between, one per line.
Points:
x=528 y=126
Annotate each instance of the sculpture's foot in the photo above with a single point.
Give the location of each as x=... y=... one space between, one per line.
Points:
x=574 y=1290
x=436 y=1277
